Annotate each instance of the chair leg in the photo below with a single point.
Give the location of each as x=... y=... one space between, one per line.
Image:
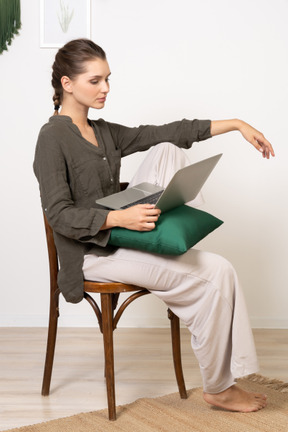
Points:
x=107 y=327
x=176 y=347
x=51 y=341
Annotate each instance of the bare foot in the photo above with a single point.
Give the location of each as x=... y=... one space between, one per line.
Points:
x=236 y=399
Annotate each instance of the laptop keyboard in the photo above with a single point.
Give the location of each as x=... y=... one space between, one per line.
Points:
x=151 y=199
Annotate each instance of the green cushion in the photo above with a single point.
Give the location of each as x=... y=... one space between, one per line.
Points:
x=176 y=231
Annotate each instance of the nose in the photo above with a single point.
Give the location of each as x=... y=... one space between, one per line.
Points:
x=105 y=87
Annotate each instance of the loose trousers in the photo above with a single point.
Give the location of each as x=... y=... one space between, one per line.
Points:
x=201 y=288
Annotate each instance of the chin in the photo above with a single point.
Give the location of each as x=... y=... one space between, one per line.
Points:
x=98 y=105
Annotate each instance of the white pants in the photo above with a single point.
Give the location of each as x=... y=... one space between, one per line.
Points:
x=201 y=288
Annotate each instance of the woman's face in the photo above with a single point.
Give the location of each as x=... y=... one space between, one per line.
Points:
x=90 y=88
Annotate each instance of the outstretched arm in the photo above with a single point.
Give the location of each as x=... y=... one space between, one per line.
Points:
x=143 y=217
x=252 y=135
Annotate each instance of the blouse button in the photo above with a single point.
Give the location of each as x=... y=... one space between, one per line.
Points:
x=104 y=158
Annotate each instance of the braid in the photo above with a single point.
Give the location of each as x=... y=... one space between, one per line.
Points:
x=57 y=102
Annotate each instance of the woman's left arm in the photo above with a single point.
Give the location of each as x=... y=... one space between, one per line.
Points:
x=251 y=134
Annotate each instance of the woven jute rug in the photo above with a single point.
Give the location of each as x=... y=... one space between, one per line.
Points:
x=170 y=413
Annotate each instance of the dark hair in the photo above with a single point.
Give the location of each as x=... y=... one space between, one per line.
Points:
x=69 y=61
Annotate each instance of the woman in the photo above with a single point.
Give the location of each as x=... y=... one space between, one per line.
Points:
x=78 y=161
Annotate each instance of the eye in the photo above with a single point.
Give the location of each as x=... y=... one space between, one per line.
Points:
x=94 y=82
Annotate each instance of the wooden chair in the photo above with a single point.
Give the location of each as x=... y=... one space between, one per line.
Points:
x=107 y=318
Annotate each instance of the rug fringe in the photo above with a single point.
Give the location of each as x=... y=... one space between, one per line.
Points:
x=272 y=383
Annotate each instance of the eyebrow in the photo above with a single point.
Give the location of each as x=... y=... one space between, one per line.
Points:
x=99 y=76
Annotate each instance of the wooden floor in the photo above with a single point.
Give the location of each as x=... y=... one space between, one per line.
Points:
x=143 y=365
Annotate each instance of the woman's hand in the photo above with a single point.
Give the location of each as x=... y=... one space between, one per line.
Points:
x=257 y=139
x=141 y=217
x=252 y=135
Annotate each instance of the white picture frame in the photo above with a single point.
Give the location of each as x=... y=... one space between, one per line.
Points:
x=62 y=21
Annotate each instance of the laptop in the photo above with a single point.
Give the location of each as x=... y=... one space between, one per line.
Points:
x=182 y=188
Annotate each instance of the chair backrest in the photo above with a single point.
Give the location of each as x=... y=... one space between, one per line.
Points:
x=52 y=255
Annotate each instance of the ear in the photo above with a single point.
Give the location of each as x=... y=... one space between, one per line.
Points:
x=66 y=84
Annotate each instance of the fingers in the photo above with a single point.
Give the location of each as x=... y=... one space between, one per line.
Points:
x=266 y=149
x=257 y=139
x=142 y=217
x=263 y=145
x=149 y=216
x=148 y=210
x=149 y=226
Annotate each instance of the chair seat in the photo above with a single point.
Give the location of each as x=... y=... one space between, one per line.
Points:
x=107 y=287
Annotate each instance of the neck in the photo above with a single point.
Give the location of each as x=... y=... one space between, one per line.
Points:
x=78 y=115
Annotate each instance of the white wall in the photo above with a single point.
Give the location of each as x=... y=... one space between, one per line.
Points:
x=169 y=60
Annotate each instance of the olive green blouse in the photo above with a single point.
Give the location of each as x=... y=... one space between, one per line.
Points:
x=73 y=173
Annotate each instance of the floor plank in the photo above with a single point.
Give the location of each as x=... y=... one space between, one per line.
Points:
x=143 y=366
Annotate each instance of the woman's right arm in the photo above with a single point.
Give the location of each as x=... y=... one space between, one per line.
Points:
x=80 y=223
